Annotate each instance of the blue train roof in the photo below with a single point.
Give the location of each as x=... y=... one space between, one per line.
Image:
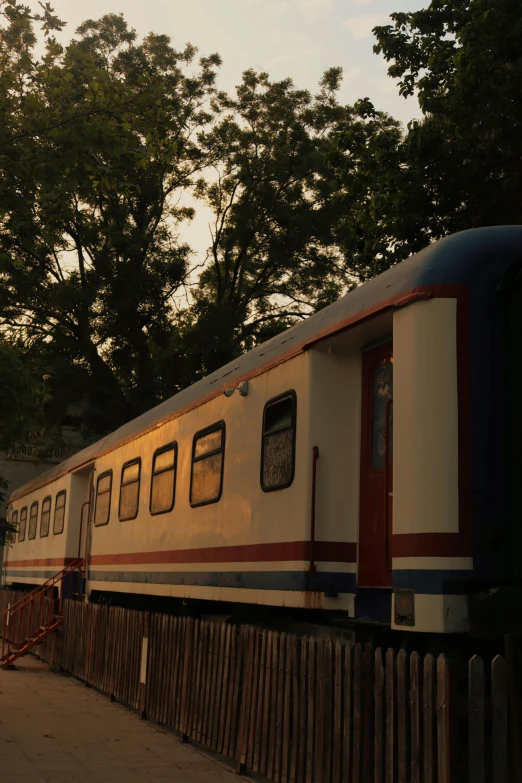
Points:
x=469 y=258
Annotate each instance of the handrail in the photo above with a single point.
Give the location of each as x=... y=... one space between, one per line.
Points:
x=73 y=565
x=87 y=503
x=45 y=585
x=389 y=404
x=42 y=615
x=315 y=457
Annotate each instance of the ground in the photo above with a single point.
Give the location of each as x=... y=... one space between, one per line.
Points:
x=55 y=730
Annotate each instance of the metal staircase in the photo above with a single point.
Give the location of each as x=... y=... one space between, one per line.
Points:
x=38 y=613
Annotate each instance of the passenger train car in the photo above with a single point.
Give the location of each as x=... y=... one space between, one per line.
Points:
x=364 y=462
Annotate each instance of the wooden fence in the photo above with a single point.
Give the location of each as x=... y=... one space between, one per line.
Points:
x=299 y=710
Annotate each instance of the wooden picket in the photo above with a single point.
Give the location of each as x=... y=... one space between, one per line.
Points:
x=295 y=709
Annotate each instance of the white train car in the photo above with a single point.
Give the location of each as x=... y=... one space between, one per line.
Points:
x=48 y=520
x=332 y=468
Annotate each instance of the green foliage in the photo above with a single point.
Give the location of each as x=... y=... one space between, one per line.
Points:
x=7 y=529
x=463 y=59
x=24 y=394
x=292 y=170
x=24 y=397
x=105 y=143
x=102 y=143
x=99 y=142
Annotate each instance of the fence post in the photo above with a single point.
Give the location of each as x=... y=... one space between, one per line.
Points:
x=443 y=720
x=499 y=719
x=428 y=723
x=402 y=717
x=142 y=695
x=378 y=712
x=415 y=718
x=447 y=720
x=514 y=680
x=391 y=721
x=476 y=767
x=187 y=660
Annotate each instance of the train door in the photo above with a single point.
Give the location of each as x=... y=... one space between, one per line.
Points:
x=376 y=495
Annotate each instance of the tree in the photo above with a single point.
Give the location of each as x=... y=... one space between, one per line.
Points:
x=24 y=396
x=99 y=143
x=292 y=197
x=463 y=59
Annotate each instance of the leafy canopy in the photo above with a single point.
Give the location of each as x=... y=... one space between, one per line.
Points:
x=107 y=145
x=463 y=59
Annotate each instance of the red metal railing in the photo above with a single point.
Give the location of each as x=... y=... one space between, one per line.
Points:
x=28 y=621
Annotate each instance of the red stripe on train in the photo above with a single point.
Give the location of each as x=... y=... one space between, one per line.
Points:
x=404 y=545
x=326 y=551
x=49 y=561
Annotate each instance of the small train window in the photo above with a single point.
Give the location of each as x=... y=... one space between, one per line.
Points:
x=382 y=409
x=163 y=483
x=278 y=443
x=33 y=521
x=14 y=522
x=45 y=518
x=23 y=523
x=208 y=451
x=59 y=513
x=103 y=498
x=130 y=490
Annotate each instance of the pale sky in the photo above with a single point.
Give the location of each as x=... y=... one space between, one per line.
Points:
x=296 y=38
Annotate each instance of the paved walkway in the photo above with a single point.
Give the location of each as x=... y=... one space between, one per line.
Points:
x=53 y=729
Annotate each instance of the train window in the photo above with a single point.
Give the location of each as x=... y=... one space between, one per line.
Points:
x=23 y=523
x=33 y=521
x=208 y=451
x=45 y=518
x=59 y=513
x=103 y=498
x=278 y=443
x=14 y=522
x=382 y=394
x=163 y=483
x=130 y=490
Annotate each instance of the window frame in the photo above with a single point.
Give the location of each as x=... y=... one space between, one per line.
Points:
x=168 y=446
x=217 y=426
x=50 y=499
x=33 y=504
x=14 y=522
x=273 y=401
x=59 y=494
x=22 y=538
x=102 y=475
x=135 y=461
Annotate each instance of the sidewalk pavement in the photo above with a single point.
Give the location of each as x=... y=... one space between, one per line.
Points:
x=54 y=730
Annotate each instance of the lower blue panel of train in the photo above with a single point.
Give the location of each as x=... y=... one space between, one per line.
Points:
x=433 y=582
x=324 y=582
x=72 y=583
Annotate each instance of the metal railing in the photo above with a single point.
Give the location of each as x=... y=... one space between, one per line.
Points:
x=27 y=622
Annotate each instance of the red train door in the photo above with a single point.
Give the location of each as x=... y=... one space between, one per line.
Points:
x=376 y=500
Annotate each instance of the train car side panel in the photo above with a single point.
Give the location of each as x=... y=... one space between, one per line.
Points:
x=428 y=555
x=54 y=540
x=250 y=543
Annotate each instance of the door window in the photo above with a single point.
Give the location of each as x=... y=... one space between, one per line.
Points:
x=382 y=393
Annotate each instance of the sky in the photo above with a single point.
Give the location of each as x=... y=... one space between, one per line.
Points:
x=296 y=38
